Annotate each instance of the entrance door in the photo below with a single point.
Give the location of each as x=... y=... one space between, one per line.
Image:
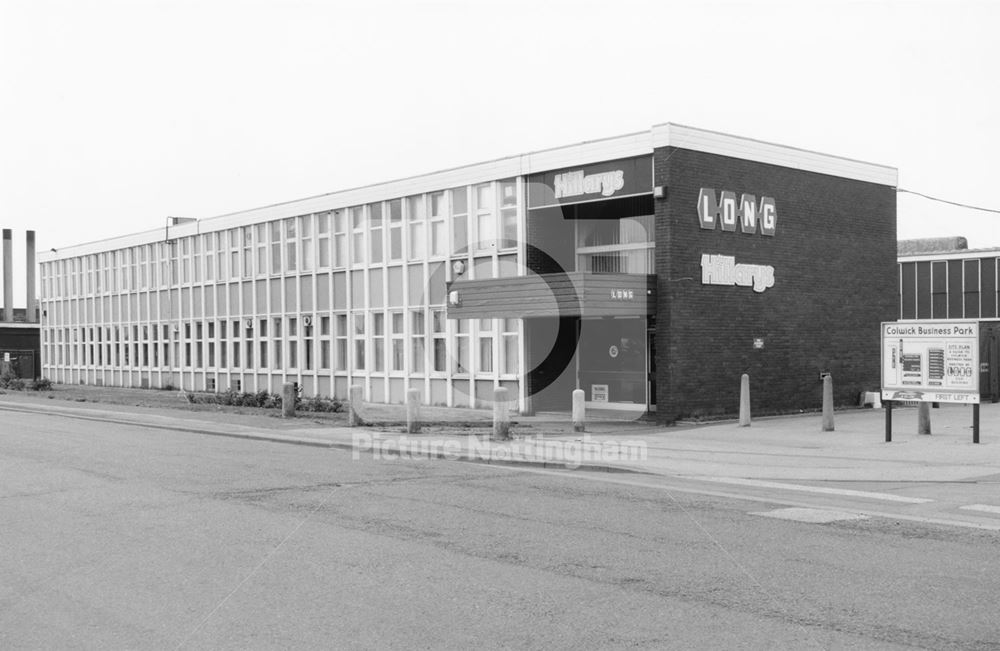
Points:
x=612 y=355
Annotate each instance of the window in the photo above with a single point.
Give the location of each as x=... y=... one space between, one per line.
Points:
x=293 y=344
x=340 y=321
x=485 y=345
x=291 y=237
x=236 y=344
x=323 y=239
x=358 y=235
x=439 y=331
x=396 y=230
x=223 y=345
x=378 y=342
x=461 y=346
x=307 y=331
x=616 y=245
x=485 y=220
x=308 y=253
x=260 y=232
x=324 y=342
x=248 y=344
x=416 y=217
x=459 y=220
x=276 y=343
x=398 y=350
x=510 y=345
x=262 y=338
x=247 y=233
x=197 y=262
x=275 y=229
x=438 y=227
x=508 y=214
x=339 y=239
x=359 y=341
x=234 y=254
x=220 y=259
x=185 y=263
x=375 y=232
x=417 y=338
x=211 y=344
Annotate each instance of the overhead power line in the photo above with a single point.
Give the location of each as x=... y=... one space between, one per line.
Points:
x=953 y=203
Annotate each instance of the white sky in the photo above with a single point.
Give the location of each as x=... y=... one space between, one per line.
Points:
x=115 y=114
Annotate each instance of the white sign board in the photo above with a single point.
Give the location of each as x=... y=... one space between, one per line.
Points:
x=599 y=392
x=930 y=361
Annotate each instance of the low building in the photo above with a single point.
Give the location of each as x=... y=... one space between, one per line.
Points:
x=941 y=278
x=20 y=349
x=649 y=270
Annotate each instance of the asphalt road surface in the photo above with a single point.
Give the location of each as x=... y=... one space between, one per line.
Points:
x=129 y=537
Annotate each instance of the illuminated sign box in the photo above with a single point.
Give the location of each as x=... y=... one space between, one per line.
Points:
x=931 y=361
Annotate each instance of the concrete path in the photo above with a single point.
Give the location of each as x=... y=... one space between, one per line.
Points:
x=780 y=448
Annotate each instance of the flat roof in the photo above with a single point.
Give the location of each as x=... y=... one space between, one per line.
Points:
x=582 y=153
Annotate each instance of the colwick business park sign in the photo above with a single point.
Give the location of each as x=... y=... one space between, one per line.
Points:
x=930 y=361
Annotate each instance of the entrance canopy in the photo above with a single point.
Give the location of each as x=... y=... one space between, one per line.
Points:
x=553 y=295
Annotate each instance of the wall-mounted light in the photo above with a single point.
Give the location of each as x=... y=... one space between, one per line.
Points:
x=454 y=299
x=659 y=192
x=458 y=267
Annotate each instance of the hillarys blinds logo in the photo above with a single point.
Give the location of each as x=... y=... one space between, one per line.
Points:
x=573 y=184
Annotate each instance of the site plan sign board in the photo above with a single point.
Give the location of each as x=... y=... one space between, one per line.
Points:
x=931 y=361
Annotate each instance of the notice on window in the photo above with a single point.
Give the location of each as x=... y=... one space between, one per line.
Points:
x=930 y=361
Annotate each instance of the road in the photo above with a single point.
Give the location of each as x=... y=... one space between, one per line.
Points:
x=119 y=536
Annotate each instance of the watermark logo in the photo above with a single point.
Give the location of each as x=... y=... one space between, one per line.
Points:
x=572 y=454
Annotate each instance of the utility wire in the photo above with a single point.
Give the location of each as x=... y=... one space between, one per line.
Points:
x=954 y=203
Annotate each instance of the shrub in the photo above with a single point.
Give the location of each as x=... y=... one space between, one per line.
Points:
x=42 y=384
x=15 y=384
x=6 y=378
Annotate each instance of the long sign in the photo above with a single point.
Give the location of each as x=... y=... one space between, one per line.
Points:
x=745 y=215
x=930 y=361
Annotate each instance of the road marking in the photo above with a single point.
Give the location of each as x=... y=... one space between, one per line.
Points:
x=845 y=492
x=812 y=516
x=985 y=508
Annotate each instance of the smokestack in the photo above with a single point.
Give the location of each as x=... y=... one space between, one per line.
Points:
x=8 y=277
x=29 y=263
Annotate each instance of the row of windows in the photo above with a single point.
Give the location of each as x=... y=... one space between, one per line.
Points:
x=436 y=225
x=949 y=289
x=399 y=341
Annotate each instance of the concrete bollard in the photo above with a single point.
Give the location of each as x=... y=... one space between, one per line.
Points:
x=501 y=415
x=924 y=418
x=745 y=401
x=357 y=396
x=828 y=403
x=288 y=400
x=579 y=411
x=413 y=411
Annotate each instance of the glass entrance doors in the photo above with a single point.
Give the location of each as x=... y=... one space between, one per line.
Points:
x=613 y=358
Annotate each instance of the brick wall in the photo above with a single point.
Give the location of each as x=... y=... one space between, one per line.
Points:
x=834 y=259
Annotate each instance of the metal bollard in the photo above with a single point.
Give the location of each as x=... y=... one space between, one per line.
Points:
x=745 y=401
x=924 y=418
x=288 y=400
x=413 y=411
x=579 y=411
x=828 y=403
x=501 y=415
x=357 y=396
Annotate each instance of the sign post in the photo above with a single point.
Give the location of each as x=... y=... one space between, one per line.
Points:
x=930 y=361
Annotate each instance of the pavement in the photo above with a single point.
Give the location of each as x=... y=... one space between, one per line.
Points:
x=783 y=448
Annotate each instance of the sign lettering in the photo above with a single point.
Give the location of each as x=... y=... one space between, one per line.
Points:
x=745 y=215
x=572 y=184
x=723 y=270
